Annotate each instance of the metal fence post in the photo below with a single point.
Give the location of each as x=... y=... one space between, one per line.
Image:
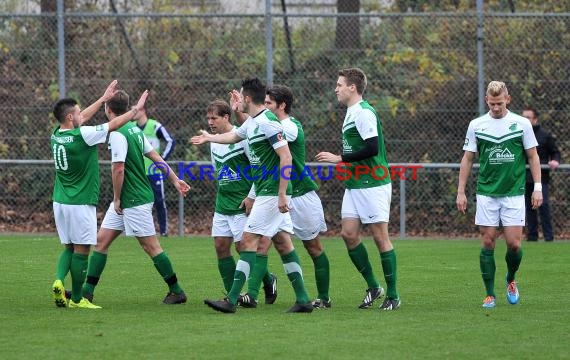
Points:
x=480 y=59
x=180 y=215
x=269 y=42
x=61 y=48
x=402 y=208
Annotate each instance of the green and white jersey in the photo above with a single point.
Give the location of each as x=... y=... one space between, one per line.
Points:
x=360 y=123
x=264 y=134
x=128 y=144
x=501 y=144
x=77 y=164
x=295 y=136
x=230 y=161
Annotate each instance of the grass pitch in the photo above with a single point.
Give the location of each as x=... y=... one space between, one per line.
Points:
x=439 y=283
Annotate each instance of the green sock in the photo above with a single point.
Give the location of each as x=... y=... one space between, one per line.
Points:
x=63 y=264
x=513 y=260
x=359 y=257
x=164 y=266
x=388 y=259
x=95 y=268
x=487 y=263
x=78 y=274
x=227 y=268
x=322 y=275
x=244 y=266
x=257 y=274
x=267 y=279
x=292 y=267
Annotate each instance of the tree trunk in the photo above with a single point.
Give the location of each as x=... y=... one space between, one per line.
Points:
x=348 y=27
x=49 y=23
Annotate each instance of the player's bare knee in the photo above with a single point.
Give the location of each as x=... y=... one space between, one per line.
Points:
x=314 y=247
x=351 y=238
x=102 y=247
x=284 y=248
x=223 y=247
x=488 y=242
x=264 y=245
x=515 y=247
x=249 y=243
x=223 y=252
x=150 y=245
x=81 y=249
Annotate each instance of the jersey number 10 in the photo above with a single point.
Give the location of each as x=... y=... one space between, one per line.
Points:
x=60 y=157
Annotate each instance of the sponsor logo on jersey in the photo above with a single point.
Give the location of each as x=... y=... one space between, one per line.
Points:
x=499 y=156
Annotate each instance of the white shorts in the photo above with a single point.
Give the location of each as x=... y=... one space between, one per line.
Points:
x=370 y=205
x=76 y=224
x=228 y=225
x=265 y=218
x=507 y=211
x=307 y=216
x=136 y=221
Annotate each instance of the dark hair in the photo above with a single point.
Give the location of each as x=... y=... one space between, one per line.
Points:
x=281 y=94
x=255 y=88
x=119 y=103
x=530 y=108
x=355 y=76
x=219 y=107
x=62 y=108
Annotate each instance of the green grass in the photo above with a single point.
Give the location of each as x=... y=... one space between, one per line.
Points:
x=440 y=317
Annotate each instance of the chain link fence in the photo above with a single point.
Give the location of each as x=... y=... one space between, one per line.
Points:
x=423 y=79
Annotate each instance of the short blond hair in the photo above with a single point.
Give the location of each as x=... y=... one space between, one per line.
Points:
x=496 y=88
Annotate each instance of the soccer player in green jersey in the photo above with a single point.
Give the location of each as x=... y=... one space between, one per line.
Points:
x=502 y=139
x=233 y=203
x=269 y=215
x=76 y=189
x=131 y=209
x=307 y=212
x=229 y=216
x=367 y=196
x=260 y=269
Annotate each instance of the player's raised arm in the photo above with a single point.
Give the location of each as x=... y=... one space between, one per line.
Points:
x=92 y=109
x=236 y=104
x=129 y=115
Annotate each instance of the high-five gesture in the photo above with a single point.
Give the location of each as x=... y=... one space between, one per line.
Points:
x=235 y=100
x=129 y=115
x=140 y=104
x=92 y=109
x=110 y=91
